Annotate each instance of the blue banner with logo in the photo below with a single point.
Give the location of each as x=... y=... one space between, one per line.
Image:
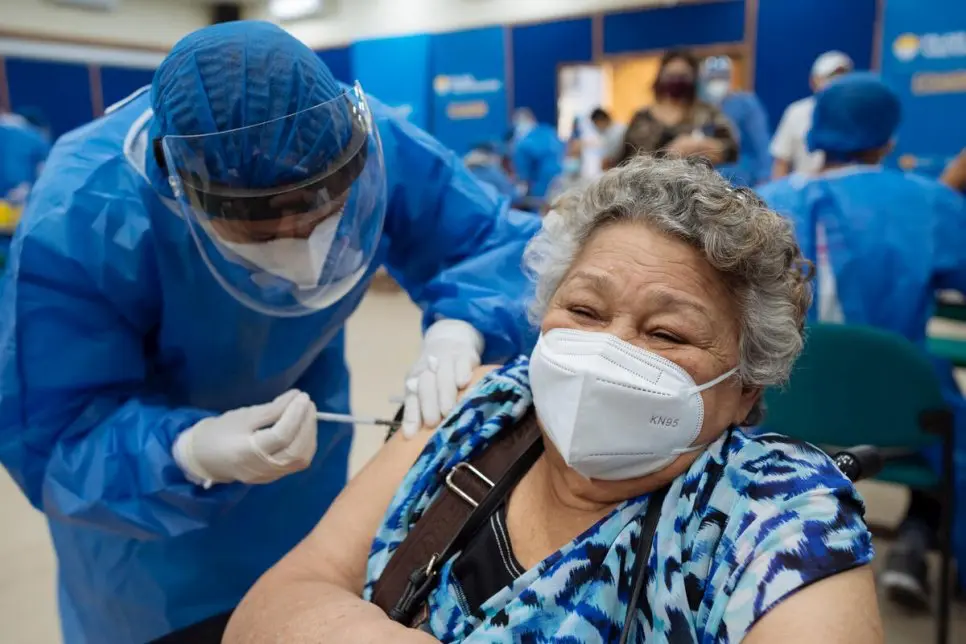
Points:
x=469 y=87
x=924 y=59
x=397 y=72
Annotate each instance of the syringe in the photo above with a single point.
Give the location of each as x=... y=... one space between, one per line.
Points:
x=358 y=420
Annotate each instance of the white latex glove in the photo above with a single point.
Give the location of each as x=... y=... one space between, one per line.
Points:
x=451 y=351
x=257 y=444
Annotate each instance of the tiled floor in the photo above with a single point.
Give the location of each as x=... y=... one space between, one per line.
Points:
x=383 y=340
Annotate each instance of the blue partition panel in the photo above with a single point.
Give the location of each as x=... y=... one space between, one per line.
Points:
x=117 y=83
x=538 y=52
x=397 y=72
x=791 y=35
x=684 y=25
x=61 y=90
x=469 y=87
x=924 y=59
x=339 y=61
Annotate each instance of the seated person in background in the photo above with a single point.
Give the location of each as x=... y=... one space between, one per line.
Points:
x=678 y=122
x=748 y=117
x=537 y=153
x=788 y=145
x=667 y=300
x=883 y=242
x=486 y=164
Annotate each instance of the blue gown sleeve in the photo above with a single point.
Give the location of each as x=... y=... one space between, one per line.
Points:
x=454 y=244
x=79 y=429
x=525 y=162
x=950 y=208
x=759 y=140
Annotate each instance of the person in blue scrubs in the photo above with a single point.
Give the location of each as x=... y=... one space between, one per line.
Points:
x=537 y=153
x=174 y=319
x=23 y=150
x=747 y=114
x=883 y=242
x=485 y=162
x=22 y=153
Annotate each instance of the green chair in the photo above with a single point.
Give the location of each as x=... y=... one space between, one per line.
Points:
x=859 y=385
x=949 y=349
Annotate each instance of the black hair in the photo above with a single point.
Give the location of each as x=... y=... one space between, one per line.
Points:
x=600 y=114
x=679 y=54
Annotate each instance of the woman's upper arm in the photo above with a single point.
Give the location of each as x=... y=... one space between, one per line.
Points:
x=841 y=609
x=337 y=550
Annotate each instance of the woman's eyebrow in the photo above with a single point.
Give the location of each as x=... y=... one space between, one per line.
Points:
x=600 y=283
x=668 y=300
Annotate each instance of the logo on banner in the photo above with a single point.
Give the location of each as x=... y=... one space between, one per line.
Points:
x=465 y=84
x=908 y=47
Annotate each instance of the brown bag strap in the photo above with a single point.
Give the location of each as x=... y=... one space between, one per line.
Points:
x=465 y=487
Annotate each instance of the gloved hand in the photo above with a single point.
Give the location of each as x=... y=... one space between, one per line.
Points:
x=257 y=444
x=451 y=350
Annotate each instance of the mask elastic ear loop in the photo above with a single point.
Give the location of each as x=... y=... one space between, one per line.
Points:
x=708 y=385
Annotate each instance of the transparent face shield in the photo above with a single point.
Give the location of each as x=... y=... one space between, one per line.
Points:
x=287 y=214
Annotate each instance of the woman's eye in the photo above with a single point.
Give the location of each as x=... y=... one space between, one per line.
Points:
x=668 y=337
x=584 y=312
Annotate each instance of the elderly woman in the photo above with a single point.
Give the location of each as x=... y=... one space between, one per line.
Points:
x=667 y=301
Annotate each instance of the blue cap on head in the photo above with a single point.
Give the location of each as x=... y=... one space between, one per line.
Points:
x=241 y=74
x=855 y=113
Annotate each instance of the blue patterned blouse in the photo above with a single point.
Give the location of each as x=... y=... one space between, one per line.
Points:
x=753 y=520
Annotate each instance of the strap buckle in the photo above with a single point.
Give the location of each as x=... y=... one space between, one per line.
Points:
x=450 y=483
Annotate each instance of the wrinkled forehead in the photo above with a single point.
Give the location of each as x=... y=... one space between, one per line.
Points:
x=633 y=259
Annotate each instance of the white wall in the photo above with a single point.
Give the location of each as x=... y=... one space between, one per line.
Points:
x=352 y=20
x=145 y=23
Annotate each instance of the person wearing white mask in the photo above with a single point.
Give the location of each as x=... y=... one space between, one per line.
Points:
x=788 y=146
x=666 y=300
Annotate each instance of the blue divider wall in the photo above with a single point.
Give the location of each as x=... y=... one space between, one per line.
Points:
x=61 y=90
x=469 y=87
x=339 y=61
x=793 y=33
x=683 y=25
x=118 y=83
x=538 y=51
x=397 y=72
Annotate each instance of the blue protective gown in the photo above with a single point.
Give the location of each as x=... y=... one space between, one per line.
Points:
x=750 y=119
x=537 y=159
x=115 y=337
x=493 y=175
x=893 y=240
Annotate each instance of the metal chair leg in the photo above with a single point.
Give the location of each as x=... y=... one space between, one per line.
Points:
x=946 y=543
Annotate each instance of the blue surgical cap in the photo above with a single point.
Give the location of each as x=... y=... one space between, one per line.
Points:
x=234 y=75
x=853 y=114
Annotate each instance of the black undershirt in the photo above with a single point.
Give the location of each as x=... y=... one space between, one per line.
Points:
x=487 y=565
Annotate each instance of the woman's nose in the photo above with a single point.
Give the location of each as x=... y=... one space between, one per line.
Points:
x=624 y=329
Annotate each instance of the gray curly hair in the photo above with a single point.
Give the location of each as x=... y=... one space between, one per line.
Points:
x=752 y=247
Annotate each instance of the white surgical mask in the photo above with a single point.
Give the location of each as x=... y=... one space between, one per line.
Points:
x=614 y=411
x=716 y=90
x=299 y=261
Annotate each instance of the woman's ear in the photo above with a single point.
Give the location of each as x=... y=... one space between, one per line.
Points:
x=746 y=403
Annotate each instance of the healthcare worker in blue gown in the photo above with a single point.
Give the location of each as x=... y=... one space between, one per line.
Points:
x=537 y=153
x=883 y=242
x=23 y=150
x=747 y=114
x=485 y=162
x=175 y=311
